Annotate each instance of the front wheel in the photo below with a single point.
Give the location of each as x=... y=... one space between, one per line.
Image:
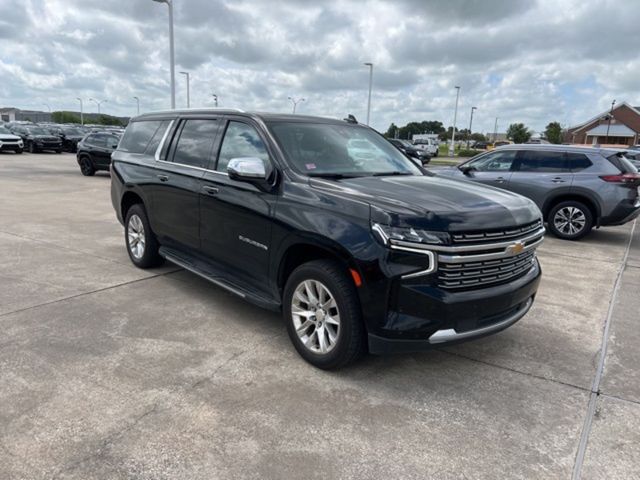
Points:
x=32 y=148
x=323 y=316
x=86 y=167
x=570 y=220
x=19 y=151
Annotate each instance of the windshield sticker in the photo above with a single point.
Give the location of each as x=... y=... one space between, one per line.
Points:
x=310 y=166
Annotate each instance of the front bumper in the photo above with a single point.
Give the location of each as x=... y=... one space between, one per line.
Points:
x=6 y=147
x=423 y=316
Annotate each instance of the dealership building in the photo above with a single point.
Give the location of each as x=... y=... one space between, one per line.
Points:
x=619 y=126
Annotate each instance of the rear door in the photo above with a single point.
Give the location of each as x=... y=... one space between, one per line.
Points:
x=493 y=169
x=539 y=174
x=178 y=180
x=236 y=216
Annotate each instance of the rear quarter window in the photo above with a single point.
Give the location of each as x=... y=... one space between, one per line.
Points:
x=138 y=135
x=578 y=161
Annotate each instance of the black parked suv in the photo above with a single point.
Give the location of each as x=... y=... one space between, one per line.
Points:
x=94 y=152
x=70 y=137
x=37 y=139
x=408 y=149
x=358 y=253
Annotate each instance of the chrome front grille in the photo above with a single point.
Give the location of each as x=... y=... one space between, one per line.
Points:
x=497 y=235
x=484 y=273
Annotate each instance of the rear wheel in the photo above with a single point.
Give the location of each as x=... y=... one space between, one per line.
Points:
x=86 y=167
x=323 y=316
x=142 y=245
x=32 y=148
x=570 y=220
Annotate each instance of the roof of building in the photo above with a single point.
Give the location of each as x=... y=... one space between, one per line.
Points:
x=603 y=114
x=615 y=130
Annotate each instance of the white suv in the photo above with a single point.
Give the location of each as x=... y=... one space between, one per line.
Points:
x=427 y=144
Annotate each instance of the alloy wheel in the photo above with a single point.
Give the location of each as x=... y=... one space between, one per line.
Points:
x=316 y=317
x=569 y=220
x=85 y=166
x=135 y=235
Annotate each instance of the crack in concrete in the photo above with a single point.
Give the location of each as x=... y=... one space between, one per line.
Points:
x=595 y=386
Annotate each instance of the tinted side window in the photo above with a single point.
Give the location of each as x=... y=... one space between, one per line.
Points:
x=138 y=135
x=495 y=162
x=97 y=140
x=578 y=161
x=157 y=138
x=195 y=143
x=240 y=140
x=535 y=161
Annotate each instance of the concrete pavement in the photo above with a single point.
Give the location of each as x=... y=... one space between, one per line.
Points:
x=107 y=371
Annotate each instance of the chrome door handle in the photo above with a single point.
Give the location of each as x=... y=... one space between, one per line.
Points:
x=163 y=178
x=210 y=190
x=500 y=180
x=558 y=180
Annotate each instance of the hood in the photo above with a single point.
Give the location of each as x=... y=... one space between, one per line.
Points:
x=46 y=138
x=8 y=136
x=436 y=203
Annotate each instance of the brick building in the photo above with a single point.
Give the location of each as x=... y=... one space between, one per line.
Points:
x=624 y=128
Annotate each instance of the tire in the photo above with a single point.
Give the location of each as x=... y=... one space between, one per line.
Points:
x=32 y=148
x=142 y=245
x=86 y=167
x=348 y=342
x=18 y=151
x=436 y=154
x=58 y=151
x=580 y=220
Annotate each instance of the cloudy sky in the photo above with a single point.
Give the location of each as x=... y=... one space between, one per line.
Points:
x=519 y=60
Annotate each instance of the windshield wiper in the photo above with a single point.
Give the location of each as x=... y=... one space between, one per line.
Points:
x=334 y=176
x=385 y=174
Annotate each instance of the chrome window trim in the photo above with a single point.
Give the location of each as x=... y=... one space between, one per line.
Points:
x=164 y=139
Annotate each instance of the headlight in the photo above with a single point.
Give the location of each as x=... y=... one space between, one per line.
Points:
x=392 y=235
x=20 y=143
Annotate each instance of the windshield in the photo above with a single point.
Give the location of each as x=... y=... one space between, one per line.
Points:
x=318 y=149
x=37 y=131
x=72 y=131
x=5 y=131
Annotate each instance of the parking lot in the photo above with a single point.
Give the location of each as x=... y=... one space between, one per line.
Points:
x=108 y=371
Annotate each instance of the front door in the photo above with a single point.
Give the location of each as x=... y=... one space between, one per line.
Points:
x=178 y=179
x=235 y=217
x=493 y=169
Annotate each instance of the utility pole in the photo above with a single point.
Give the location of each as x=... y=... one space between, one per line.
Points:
x=186 y=74
x=453 y=131
x=295 y=102
x=81 y=112
x=138 y=104
x=495 y=130
x=609 y=124
x=172 y=59
x=470 y=123
x=370 y=65
x=215 y=99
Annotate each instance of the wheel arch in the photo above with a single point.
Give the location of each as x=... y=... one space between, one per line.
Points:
x=581 y=197
x=129 y=199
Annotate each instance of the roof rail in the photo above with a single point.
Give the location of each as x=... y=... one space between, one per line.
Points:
x=195 y=109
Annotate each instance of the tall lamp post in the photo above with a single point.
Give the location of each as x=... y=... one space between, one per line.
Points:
x=186 y=74
x=137 y=105
x=455 y=116
x=98 y=103
x=172 y=60
x=609 y=124
x=296 y=102
x=470 y=124
x=370 y=65
x=215 y=99
x=81 y=112
x=495 y=130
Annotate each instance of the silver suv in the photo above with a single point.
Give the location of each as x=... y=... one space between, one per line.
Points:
x=576 y=188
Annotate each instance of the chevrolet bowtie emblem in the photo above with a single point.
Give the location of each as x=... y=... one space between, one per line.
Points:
x=515 y=248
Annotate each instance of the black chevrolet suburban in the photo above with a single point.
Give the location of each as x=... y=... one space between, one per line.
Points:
x=359 y=252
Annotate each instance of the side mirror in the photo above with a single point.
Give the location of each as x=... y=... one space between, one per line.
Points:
x=466 y=169
x=250 y=169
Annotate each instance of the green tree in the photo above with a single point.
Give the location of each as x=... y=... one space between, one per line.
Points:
x=518 y=133
x=65 y=117
x=391 y=131
x=446 y=135
x=553 y=132
x=478 y=137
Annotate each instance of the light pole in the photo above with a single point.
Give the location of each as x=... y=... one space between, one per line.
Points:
x=186 y=74
x=81 y=112
x=495 y=130
x=609 y=124
x=455 y=116
x=47 y=105
x=98 y=103
x=138 y=105
x=171 y=52
x=296 y=102
x=370 y=65
x=215 y=99
x=470 y=123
